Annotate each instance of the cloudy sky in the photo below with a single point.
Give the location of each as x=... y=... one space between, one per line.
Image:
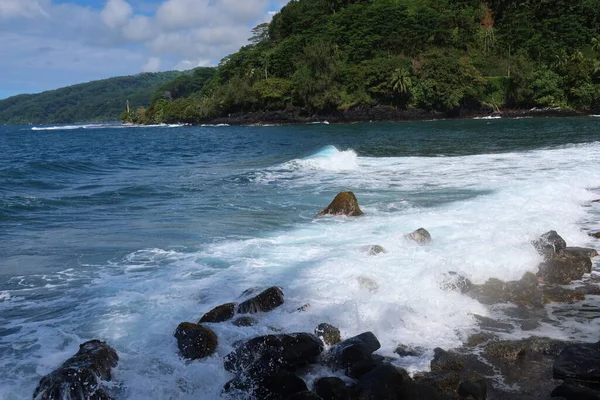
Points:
x=46 y=44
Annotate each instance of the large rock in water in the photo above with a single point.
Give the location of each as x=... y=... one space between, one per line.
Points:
x=79 y=378
x=352 y=350
x=524 y=292
x=221 y=313
x=270 y=354
x=421 y=236
x=549 y=243
x=269 y=387
x=563 y=268
x=265 y=301
x=579 y=362
x=195 y=341
x=344 y=203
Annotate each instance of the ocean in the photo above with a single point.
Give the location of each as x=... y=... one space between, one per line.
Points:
x=121 y=233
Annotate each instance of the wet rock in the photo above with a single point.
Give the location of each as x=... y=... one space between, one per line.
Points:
x=329 y=334
x=269 y=387
x=332 y=389
x=345 y=203
x=383 y=383
x=79 y=378
x=304 y=308
x=529 y=325
x=305 y=395
x=561 y=269
x=274 y=353
x=221 y=313
x=408 y=351
x=245 y=321
x=579 y=362
x=477 y=339
x=195 y=341
x=375 y=249
x=367 y=283
x=572 y=391
x=512 y=350
x=524 y=292
x=490 y=324
x=562 y=295
x=352 y=350
x=475 y=389
x=445 y=382
x=359 y=368
x=265 y=301
x=446 y=361
x=456 y=282
x=581 y=251
x=595 y=235
x=421 y=236
x=549 y=244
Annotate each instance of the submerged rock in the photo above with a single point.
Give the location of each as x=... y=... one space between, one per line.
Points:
x=579 y=362
x=329 y=334
x=345 y=203
x=375 y=249
x=265 y=301
x=595 y=235
x=352 y=350
x=454 y=281
x=563 y=268
x=195 y=341
x=408 y=351
x=365 y=282
x=269 y=387
x=244 y=321
x=421 y=236
x=549 y=243
x=524 y=292
x=79 y=378
x=221 y=313
x=274 y=353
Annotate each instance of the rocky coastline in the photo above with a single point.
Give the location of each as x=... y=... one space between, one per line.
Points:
x=486 y=366
x=379 y=113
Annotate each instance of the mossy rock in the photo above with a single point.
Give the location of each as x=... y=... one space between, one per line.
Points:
x=329 y=334
x=195 y=341
x=562 y=269
x=345 y=203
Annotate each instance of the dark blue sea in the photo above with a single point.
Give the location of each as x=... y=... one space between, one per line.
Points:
x=121 y=233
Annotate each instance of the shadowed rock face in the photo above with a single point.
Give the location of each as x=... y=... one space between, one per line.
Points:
x=344 y=203
x=195 y=341
x=79 y=377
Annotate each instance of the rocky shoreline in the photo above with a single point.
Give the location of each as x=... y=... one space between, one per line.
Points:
x=378 y=113
x=486 y=366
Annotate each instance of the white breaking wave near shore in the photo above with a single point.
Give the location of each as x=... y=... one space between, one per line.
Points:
x=100 y=126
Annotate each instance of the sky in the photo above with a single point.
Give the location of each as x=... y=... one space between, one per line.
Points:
x=47 y=44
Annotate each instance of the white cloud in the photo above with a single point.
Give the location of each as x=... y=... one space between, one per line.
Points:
x=116 y=13
x=153 y=65
x=21 y=8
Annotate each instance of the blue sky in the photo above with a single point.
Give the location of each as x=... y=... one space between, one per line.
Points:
x=48 y=44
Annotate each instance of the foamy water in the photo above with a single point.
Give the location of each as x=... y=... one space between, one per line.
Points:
x=481 y=210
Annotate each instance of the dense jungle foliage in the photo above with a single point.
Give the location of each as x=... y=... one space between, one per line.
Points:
x=443 y=55
x=102 y=100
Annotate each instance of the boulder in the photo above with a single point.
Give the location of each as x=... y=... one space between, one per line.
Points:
x=269 y=387
x=453 y=281
x=195 y=341
x=81 y=376
x=265 y=301
x=421 y=236
x=361 y=367
x=375 y=249
x=382 y=383
x=352 y=350
x=244 y=321
x=572 y=391
x=409 y=351
x=364 y=282
x=270 y=354
x=581 y=251
x=332 y=389
x=549 y=243
x=344 y=203
x=221 y=313
x=329 y=334
x=580 y=362
x=563 y=268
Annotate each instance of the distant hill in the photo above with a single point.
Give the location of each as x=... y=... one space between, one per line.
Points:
x=102 y=100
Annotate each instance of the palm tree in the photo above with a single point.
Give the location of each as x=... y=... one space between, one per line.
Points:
x=401 y=83
x=596 y=43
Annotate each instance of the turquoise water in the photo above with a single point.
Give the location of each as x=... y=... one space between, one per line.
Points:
x=121 y=233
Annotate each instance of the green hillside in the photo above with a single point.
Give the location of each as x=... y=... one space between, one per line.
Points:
x=452 y=56
x=102 y=100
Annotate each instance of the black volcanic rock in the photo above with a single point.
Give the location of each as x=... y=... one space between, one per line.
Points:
x=195 y=341
x=221 y=313
x=352 y=350
x=265 y=301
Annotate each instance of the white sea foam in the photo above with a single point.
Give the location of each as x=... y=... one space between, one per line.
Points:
x=482 y=212
x=100 y=126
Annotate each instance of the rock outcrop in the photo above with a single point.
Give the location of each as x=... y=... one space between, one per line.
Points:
x=195 y=341
x=265 y=301
x=549 y=243
x=345 y=203
x=563 y=268
x=79 y=378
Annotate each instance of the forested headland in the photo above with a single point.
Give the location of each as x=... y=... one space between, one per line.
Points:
x=102 y=100
x=453 y=57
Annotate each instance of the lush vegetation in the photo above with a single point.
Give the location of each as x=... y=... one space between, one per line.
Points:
x=102 y=100
x=444 y=55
